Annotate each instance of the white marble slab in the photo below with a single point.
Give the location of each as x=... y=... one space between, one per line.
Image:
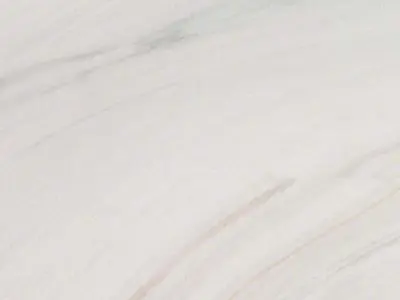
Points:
x=219 y=150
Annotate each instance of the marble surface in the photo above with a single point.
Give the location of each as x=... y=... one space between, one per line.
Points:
x=199 y=150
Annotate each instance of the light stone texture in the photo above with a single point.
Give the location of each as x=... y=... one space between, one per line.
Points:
x=199 y=150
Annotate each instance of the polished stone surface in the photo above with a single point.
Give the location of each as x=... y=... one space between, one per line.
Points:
x=199 y=150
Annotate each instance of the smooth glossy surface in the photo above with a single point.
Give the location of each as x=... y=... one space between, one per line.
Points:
x=199 y=150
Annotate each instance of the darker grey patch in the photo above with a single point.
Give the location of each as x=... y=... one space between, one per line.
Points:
x=160 y=39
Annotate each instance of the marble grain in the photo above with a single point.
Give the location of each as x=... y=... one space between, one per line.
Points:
x=227 y=150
